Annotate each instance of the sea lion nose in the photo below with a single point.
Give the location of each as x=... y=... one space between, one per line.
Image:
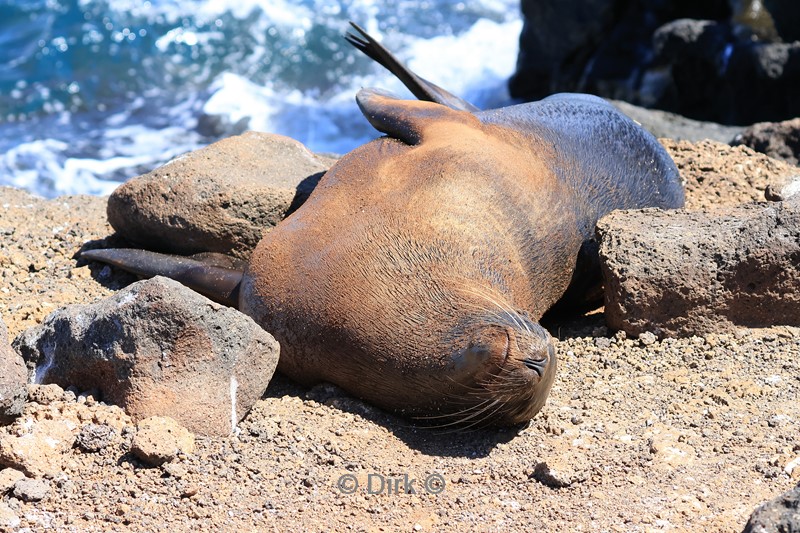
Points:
x=537 y=365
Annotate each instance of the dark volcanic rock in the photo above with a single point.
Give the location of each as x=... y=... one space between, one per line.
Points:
x=681 y=273
x=217 y=199
x=663 y=124
x=780 y=140
x=157 y=348
x=557 y=41
x=95 y=437
x=13 y=379
x=781 y=515
x=731 y=62
x=784 y=15
x=595 y=46
x=708 y=71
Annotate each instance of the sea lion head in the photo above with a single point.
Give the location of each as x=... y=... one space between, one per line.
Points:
x=503 y=365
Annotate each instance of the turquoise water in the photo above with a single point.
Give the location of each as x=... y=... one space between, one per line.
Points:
x=94 y=92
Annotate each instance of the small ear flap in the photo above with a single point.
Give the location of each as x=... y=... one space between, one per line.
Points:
x=404 y=120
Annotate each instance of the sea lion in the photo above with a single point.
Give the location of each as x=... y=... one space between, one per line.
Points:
x=415 y=274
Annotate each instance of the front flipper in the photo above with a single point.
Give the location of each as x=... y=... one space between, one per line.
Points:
x=217 y=283
x=419 y=87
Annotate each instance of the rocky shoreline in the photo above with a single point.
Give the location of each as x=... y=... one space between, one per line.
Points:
x=639 y=434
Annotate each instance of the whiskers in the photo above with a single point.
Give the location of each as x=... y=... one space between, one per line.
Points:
x=496 y=393
x=490 y=338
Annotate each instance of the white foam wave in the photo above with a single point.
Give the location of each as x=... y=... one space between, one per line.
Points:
x=472 y=62
x=467 y=65
x=45 y=167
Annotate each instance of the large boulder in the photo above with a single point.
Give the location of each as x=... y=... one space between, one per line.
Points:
x=683 y=273
x=220 y=198
x=709 y=73
x=13 y=379
x=727 y=61
x=595 y=46
x=780 y=140
x=780 y=515
x=784 y=15
x=663 y=124
x=558 y=40
x=157 y=348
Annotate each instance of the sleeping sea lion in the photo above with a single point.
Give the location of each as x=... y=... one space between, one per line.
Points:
x=416 y=273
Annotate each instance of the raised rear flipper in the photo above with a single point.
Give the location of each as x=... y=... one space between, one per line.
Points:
x=419 y=87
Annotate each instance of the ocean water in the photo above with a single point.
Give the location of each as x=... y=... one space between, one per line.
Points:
x=93 y=92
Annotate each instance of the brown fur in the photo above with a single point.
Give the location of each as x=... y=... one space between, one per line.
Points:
x=406 y=256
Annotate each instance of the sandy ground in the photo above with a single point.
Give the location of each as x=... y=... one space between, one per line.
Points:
x=676 y=435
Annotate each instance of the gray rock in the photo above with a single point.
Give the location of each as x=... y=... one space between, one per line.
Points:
x=13 y=380
x=719 y=60
x=779 y=192
x=664 y=124
x=557 y=42
x=780 y=140
x=217 y=199
x=94 y=437
x=157 y=348
x=683 y=273
x=31 y=490
x=779 y=515
x=8 y=518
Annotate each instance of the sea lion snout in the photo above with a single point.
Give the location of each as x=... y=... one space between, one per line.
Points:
x=508 y=365
x=524 y=381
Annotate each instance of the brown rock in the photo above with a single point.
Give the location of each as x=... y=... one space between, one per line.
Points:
x=667 y=447
x=38 y=451
x=685 y=273
x=9 y=478
x=160 y=439
x=716 y=174
x=780 y=140
x=45 y=394
x=217 y=199
x=157 y=348
x=13 y=379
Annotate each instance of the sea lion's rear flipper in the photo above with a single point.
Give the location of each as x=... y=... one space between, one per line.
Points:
x=217 y=283
x=404 y=120
x=419 y=87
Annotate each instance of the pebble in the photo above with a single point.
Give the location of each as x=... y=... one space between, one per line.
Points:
x=9 y=478
x=94 y=437
x=31 y=490
x=8 y=518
